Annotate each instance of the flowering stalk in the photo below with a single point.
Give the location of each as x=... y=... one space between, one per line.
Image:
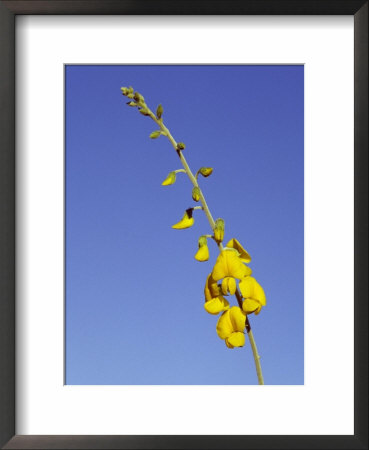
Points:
x=217 y=227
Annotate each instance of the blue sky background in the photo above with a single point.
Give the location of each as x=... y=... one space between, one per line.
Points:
x=134 y=292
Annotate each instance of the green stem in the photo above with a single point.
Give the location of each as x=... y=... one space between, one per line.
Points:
x=193 y=180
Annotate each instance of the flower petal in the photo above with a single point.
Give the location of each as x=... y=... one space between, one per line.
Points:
x=202 y=253
x=211 y=288
x=231 y=321
x=244 y=255
x=224 y=325
x=250 y=305
x=238 y=318
x=250 y=288
x=228 y=264
x=216 y=305
x=236 y=339
x=229 y=286
x=185 y=222
x=228 y=344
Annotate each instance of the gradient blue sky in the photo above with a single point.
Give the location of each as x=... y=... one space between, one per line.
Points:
x=134 y=292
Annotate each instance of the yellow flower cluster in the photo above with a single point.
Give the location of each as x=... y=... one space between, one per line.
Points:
x=230 y=274
x=229 y=268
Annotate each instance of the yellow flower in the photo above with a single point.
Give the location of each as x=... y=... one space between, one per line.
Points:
x=230 y=327
x=229 y=285
x=228 y=264
x=170 y=179
x=253 y=294
x=202 y=253
x=244 y=256
x=214 y=301
x=186 y=222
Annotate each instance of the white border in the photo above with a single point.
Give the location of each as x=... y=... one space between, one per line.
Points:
x=325 y=404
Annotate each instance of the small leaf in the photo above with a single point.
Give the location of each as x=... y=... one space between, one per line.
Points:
x=159 y=111
x=155 y=134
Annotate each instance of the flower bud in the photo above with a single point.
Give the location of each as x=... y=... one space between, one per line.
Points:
x=138 y=97
x=202 y=253
x=125 y=90
x=170 y=179
x=206 y=171
x=186 y=222
x=202 y=241
x=159 y=111
x=196 y=194
x=130 y=92
x=155 y=134
x=132 y=104
x=181 y=146
x=219 y=230
x=144 y=111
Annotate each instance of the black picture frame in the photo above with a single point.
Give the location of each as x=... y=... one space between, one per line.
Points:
x=8 y=11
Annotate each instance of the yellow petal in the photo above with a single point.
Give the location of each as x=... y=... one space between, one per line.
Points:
x=216 y=305
x=211 y=288
x=202 y=253
x=244 y=255
x=186 y=222
x=251 y=289
x=228 y=344
x=236 y=339
x=224 y=325
x=238 y=318
x=170 y=179
x=229 y=286
x=231 y=321
x=225 y=286
x=249 y=306
x=218 y=235
x=232 y=286
x=228 y=264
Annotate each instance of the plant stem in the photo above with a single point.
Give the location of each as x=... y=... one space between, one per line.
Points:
x=193 y=179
